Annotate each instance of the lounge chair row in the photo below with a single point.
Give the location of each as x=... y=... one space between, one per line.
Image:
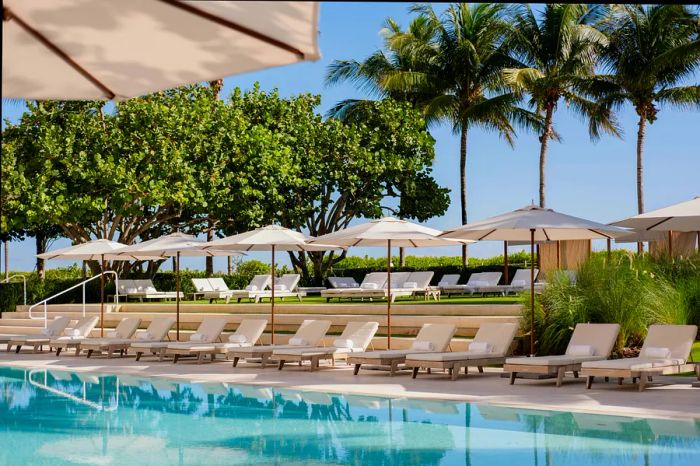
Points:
x=257 y=289
x=375 y=285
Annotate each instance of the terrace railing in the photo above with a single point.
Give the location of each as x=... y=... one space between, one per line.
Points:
x=24 y=281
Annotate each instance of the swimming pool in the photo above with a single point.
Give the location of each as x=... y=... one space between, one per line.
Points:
x=57 y=418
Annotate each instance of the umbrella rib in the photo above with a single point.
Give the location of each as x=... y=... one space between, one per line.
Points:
x=600 y=233
x=8 y=15
x=545 y=234
x=486 y=235
x=659 y=223
x=236 y=27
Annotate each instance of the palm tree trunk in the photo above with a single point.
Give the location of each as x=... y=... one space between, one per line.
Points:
x=463 y=185
x=209 y=261
x=40 y=238
x=544 y=142
x=7 y=259
x=640 y=171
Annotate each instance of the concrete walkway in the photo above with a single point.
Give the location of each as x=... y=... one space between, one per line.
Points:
x=673 y=397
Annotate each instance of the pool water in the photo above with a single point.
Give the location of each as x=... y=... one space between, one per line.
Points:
x=58 y=418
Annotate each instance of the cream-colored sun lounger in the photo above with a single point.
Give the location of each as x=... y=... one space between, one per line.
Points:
x=124 y=330
x=477 y=282
x=589 y=342
x=520 y=282
x=309 y=334
x=665 y=351
x=490 y=346
x=53 y=329
x=73 y=337
x=258 y=284
x=247 y=334
x=432 y=338
x=157 y=331
x=209 y=331
x=285 y=287
x=374 y=281
x=355 y=338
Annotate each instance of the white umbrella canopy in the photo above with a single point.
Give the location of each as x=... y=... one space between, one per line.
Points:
x=684 y=216
x=92 y=250
x=534 y=224
x=269 y=238
x=103 y=49
x=388 y=232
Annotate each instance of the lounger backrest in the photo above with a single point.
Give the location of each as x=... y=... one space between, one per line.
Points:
x=439 y=335
x=312 y=331
x=57 y=326
x=251 y=329
x=127 y=326
x=361 y=333
x=343 y=282
x=160 y=326
x=201 y=285
x=211 y=328
x=500 y=336
x=85 y=325
x=378 y=278
x=601 y=337
x=491 y=278
x=397 y=279
x=421 y=279
x=449 y=279
x=289 y=281
x=475 y=277
x=259 y=282
x=217 y=284
x=127 y=286
x=522 y=275
x=145 y=286
x=678 y=338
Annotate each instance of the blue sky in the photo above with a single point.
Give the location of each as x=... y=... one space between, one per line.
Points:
x=590 y=180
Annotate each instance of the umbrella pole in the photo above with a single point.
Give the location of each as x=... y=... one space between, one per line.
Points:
x=102 y=297
x=670 y=244
x=532 y=291
x=505 y=262
x=609 y=241
x=272 y=300
x=558 y=255
x=388 y=298
x=177 y=295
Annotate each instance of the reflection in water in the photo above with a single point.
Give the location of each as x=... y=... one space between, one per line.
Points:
x=63 y=418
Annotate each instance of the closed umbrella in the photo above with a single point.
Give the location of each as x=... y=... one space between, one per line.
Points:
x=173 y=245
x=270 y=238
x=534 y=224
x=105 y=49
x=387 y=232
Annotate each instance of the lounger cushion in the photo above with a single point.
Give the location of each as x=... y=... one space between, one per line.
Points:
x=198 y=337
x=343 y=343
x=555 y=360
x=150 y=344
x=383 y=354
x=580 y=350
x=280 y=287
x=410 y=285
x=518 y=283
x=655 y=352
x=72 y=332
x=238 y=339
x=454 y=356
x=369 y=286
x=623 y=364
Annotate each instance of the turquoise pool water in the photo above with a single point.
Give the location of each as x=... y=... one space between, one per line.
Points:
x=57 y=418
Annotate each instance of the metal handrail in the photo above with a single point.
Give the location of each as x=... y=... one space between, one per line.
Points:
x=24 y=280
x=45 y=301
x=70 y=396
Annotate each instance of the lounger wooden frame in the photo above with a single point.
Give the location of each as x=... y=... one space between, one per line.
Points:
x=558 y=370
x=454 y=366
x=644 y=375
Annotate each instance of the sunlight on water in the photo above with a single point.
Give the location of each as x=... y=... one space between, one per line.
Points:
x=57 y=418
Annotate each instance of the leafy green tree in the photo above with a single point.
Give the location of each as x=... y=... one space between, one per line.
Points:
x=652 y=56
x=558 y=52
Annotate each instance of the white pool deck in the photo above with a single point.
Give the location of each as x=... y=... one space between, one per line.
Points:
x=674 y=397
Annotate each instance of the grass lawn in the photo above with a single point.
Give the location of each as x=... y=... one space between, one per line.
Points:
x=443 y=301
x=695 y=352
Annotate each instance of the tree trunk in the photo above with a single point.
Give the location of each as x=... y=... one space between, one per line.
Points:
x=229 y=263
x=640 y=170
x=209 y=260
x=7 y=259
x=40 y=239
x=402 y=257
x=544 y=142
x=463 y=185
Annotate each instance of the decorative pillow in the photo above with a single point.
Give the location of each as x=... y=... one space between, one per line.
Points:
x=113 y=334
x=280 y=287
x=656 y=352
x=410 y=285
x=580 y=350
x=343 y=343
x=298 y=342
x=197 y=337
x=145 y=335
x=369 y=286
x=480 y=347
x=238 y=339
x=423 y=346
x=519 y=283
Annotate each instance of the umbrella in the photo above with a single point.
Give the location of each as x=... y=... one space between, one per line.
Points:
x=534 y=224
x=98 y=249
x=96 y=50
x=269 y=238
x=387 y=231
x=684 y=216
x=173 y=245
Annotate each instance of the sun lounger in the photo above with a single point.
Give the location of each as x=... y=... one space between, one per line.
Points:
x=211 y=289
x=53 y=329
x=520 y=282
x=665 y=351
x=124 y=330
x=589 y=342
x=308 y=335
x=208 y=332
x=72 y=337
x=373 y=281
x=343 y=282
x=247 y=334
x=285 y=287
x=355 y=338
x=144 y=289
x=157 y=331
x=490 y=346
x=477 y=282
x=257 y=284
x=417 y=283
x=432 y=338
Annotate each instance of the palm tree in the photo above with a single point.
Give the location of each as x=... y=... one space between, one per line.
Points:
x=653 y=51
x=559 y=54
x=449 y=66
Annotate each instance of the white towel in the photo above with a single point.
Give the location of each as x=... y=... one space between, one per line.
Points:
x=480 y=347
x=656 y=353
x=72 y=332
x=280 y=287
x=369 y=286
x=419 y=345
x=580 y=350
x=251 y=288
x=145 y=335
x=297 y=342
x=343 y=343
x=198 y=337
x=238 y=339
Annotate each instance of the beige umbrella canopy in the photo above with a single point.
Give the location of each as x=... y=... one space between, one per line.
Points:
x=269 y=238
x=387 y=232
x=105 y=49
x=173 y=245
x=534 y=224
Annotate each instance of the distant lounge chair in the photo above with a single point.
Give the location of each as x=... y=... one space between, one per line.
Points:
x=285 y=287
x=589 y=342
x=247 y=334
x=432 y=338
x=356 y=337
x=257 y=284
x=53 y=329
x=372 y=281
x=209 y=331
x=211 y=289
x=72 y=337
x=490 y=346
x=665 y=351
x=479 y=282
x=144 y=289
x=124 y=330
x=520 y=282
x=157 y=331
x=343 y=282
x=309 y=335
